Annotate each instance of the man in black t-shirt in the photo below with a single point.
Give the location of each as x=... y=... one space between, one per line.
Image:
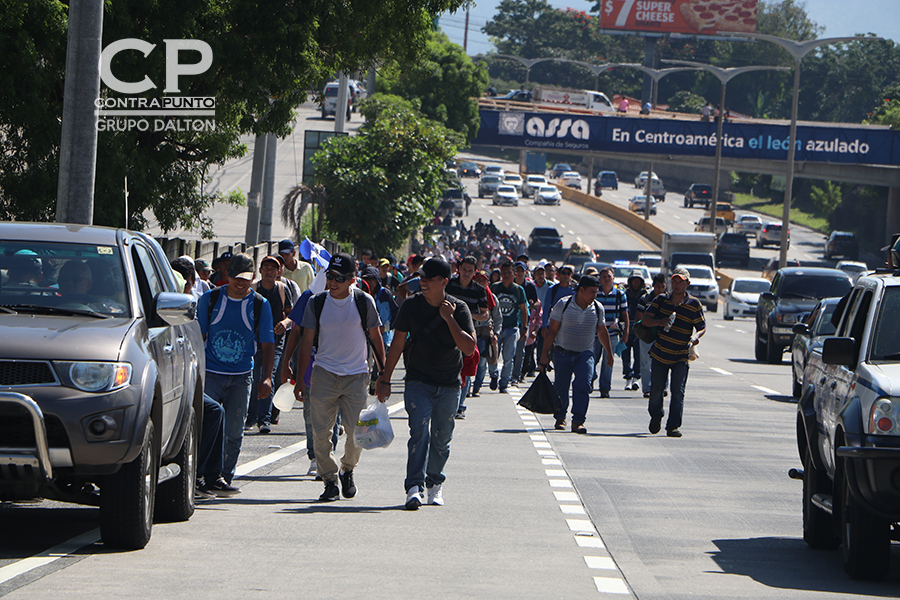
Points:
x=441 y=332
x=463 y=287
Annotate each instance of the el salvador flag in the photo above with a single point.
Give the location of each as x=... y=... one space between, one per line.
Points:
x=314 y=253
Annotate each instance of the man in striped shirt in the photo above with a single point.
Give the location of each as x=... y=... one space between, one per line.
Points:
x=677 y=315
x=576 y=322
x=615 y=306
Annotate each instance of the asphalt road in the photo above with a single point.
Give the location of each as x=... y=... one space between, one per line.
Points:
x=531 y=512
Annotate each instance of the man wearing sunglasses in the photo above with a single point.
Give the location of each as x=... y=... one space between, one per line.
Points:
x=340 y=377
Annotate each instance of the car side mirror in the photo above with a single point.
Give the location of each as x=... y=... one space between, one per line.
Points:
x=175 y=309
x=800 y=328
x=767 y=296
x=838 y=351
x=726 y=292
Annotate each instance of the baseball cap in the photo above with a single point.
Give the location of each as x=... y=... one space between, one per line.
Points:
x=591 y=271
x=436 y=267
x=384 y=262
x=270 y=258
x=521 y=265
x=636 y=273
x=371 y=272
x=241 y=267
x=681 y=272
x=587 y=281
x=342 y=264
x=286 y=245
x=201 y=264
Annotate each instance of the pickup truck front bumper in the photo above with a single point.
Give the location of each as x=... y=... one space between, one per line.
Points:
x=873 y=474
x=26 y=470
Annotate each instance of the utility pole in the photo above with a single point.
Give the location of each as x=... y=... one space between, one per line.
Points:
x=78 y=144
x=251 y=236
x=268 y=190
x=340 y=111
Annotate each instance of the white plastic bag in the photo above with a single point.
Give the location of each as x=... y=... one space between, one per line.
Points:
x=373 y=429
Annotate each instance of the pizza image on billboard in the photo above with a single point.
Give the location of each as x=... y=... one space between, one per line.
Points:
x=706 y=17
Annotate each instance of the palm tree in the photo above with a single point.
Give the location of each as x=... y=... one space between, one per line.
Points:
x=295 y=203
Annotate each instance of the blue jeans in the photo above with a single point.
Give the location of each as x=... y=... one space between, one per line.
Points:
x=645 y=371
x=519 y=359
x=259 y=411
x=212 y=440
x=605 y=383
x=431 y=410
x=631 y=358
x=659 y=374
x=233 y=393
x=508 y=340
x=566 y=365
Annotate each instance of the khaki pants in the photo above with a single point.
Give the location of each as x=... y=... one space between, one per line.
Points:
x=328 y=393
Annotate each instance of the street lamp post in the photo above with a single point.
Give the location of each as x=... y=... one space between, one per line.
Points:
x=526 y=62
x=724 y=76
x=797 y=50
x=655 y=75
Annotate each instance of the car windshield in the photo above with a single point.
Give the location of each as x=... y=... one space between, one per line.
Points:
x=562 y=167
x=546 y=189
x=545 y=232
x=493 y=169
x=886 y=345
x=853 y=268
x=468 y=165
x=571 y=174
x=490 y=179
x=331 y=91
x=699 y=273
x=815 y=287
x=536 y=178
x=751 y=287
x=512 y=178
x=49 y=276
x=651 y=261
x=508 y=189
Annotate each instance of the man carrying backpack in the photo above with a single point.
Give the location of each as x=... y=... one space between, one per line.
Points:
x=576 y=322
x=341 y=323
x=235 y=321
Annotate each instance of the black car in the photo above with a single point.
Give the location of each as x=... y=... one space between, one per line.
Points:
x=794 y=293
x=734 y=247
x=698 y=193
x=558 y=169
x=842 y=243
x=545 y=238
x=468 y=169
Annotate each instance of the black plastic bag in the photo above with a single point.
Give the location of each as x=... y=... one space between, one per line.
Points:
x=541 y=397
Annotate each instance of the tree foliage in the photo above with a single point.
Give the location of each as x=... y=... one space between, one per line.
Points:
x=266 y=56
x=383 y=183
x=826 y=198
x=445 y=81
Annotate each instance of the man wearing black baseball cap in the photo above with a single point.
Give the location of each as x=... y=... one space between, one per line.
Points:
x=345 y=321
x=441 y=332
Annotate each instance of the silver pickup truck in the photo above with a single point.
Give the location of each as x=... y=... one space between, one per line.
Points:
x=848 y=431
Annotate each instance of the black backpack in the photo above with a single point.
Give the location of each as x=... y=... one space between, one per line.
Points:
x=257 y=308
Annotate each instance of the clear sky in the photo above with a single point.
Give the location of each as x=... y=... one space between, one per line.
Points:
x=841 y=18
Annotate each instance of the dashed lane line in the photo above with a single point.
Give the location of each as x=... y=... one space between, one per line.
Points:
x=721 y=371
x=766 y=390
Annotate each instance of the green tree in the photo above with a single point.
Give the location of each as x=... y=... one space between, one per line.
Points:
x=446 y=81
x=827 y=198
x=266 y=57
x=383 y=183
x=686 y=102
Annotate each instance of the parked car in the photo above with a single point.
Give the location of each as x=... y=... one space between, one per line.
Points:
x=704 y=285
x=795 y=292
x=808 y=336
x=506 y=195
x=606 y=179
x=330 y=97
x=733 y=247
x=653 y=262
x=703 y=225
x=853 y=268
x=515 y=180
x=698 y=193
x=742 y=296
x=548 y=194
x=558 y=169
x=487 y=185
x=545 y=239
x=103 y=370
x=641 y=180
x=724 y=210
x=571 y=179
x=770 y=233
x=532 y=183
x=468 y=169
x=638 y=203
x=749 y=225
x=841 y=243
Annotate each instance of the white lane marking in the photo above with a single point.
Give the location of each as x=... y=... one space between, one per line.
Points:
x=585 y=541
x=611 y=585
x=722 y=371
x=48 y=556
x=599 y=562
x=739 y=331
x=551 y=461
x=580 y=525
x=675 y=216
x=560 y=483
x=555 y=473
x=571 y=232
x=572 y=509
x=720 y=326
x=552 y=219
x=766 y=390
x=542 y=445
x=566 y=496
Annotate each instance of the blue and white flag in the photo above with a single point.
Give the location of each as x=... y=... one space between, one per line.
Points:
x=314 y=253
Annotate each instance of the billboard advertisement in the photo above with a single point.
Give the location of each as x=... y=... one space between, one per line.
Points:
x=548 y=132
x=697 y=17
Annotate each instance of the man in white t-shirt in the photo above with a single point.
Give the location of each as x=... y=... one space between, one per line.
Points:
x=341 y=318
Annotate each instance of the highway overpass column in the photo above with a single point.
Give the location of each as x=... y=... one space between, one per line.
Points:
x=251 y=235
x=267 y=202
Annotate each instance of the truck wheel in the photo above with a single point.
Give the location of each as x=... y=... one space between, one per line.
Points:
x=175 y=497
x=759 y=348
x=127 y=499
x=773 y=350
x=818 y=531
x=865 y=537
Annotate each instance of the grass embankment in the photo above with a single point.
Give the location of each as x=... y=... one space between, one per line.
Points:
x=775 y=209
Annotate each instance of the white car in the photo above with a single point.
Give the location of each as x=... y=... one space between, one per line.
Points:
x=749 y=225
x=494 y=170
x=704 y=285
x=641 y=180
x=853 y=268
x=703 y=225
x=532 y=183
x=547 y=194
x=571 y=179
x=515 y=180
x=636 y=204
x=506 y=195
x=742 y=296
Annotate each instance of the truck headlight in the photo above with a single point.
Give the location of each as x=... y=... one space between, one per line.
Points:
x=883 y=417
x=94 y=376
x=788 y=318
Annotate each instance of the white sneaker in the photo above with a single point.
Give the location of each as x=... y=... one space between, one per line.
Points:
x=313 y=468
x=435 y=496
x=414 y=498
